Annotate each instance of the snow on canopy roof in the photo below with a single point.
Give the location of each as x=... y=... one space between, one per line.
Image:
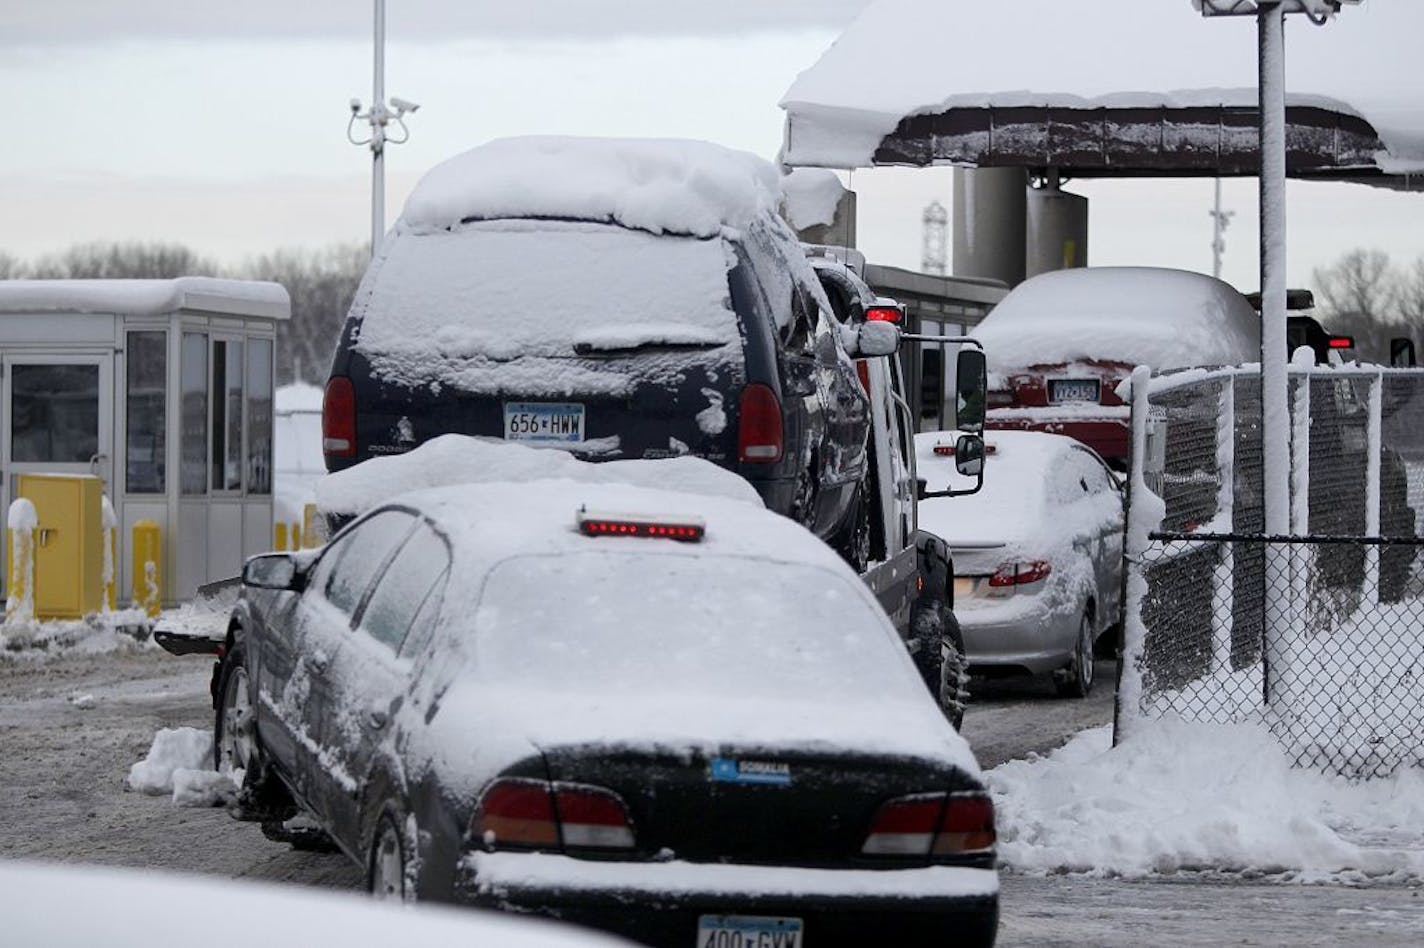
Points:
x=146 y=297
x=658 y=185
x=1166 y=319
x=1047 y=53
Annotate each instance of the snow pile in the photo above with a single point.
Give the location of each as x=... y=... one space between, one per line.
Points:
x=506 y=306
x=122 y=631
x=838 y=110
x=458 y=459
x=1180 y=797
x=1162 y=318
x=811 y=196
x=180 y=762
x=657 y=185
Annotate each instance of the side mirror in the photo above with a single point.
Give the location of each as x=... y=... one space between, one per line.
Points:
x=969 y=455
x=272 y=571
x=971 y=391
x=873 y=339
x=1401 y=353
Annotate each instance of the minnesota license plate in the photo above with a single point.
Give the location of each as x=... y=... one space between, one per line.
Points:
x=748 y=931
x=1072 y=390
x=548 y=422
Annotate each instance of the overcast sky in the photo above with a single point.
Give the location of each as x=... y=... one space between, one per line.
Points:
x=222 y=126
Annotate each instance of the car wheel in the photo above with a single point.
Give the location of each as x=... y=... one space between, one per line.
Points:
x=1076 y=679
x=854 y=543
x=234 y=739
x=388 y=864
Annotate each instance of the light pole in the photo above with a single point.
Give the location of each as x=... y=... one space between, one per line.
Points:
x=1275 y=396
x=379 y=115
x=1220 y=221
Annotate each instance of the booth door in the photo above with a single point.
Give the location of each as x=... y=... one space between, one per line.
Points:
x=56 y=417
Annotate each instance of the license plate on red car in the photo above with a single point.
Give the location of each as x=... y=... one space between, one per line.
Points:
x=1073 y=390
x=748 y=931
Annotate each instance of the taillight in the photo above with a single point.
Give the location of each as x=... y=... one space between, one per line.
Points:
x=592 y=818
x=932 y=824
x=338 y=418
x=516 y=812
x=1019 y=574
x=535 y=814
x=759 y=434
x=883 y=314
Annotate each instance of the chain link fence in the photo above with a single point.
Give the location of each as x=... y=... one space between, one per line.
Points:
x=1319 y=634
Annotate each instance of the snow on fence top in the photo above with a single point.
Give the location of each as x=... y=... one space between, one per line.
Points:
x=1166 y=319
x=911 y=57
x=656 y=185
x=146 y=297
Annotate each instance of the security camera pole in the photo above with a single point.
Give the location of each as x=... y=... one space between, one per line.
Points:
x=1275 y=397
x=379 y=115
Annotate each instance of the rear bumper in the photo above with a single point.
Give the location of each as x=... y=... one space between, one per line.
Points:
x=660 y=903
x=1110 y=437
x=1038 y=640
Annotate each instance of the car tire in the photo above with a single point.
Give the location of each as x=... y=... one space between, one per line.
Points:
x=854 y=542
x=234 y=733
x=938 y=652
x=1075 y=680
x=388 y=874
x=954 y=672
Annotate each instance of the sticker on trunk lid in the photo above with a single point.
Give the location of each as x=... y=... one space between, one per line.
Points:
x=730 y=770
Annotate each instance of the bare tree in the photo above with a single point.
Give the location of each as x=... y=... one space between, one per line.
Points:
x=117 y=261
x=321 y=284
x=1410 y=296
x=1360 y=296
x=12 y=267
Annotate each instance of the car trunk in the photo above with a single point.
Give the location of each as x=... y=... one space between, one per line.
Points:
x=753 y=805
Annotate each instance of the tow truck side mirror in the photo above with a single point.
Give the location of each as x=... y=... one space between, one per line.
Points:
x=873 y=339
x=971 y=391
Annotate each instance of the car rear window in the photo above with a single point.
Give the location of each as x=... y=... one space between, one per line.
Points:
x=444 y=307
x=731 y=626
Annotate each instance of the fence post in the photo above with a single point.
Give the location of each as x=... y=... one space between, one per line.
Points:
x=1373 y=447
x=24 y=521
x=1223 y=597
x=148 y=575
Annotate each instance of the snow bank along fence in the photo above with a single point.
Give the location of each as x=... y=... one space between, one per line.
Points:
x=1320 y=634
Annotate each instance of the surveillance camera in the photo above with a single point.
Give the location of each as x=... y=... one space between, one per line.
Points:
x=355 y=105
x=404 y=105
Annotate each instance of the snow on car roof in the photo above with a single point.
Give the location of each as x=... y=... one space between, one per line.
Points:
x=146 y=297
x=1047 y=53
x=125 y=908
x=1009 y=507
x=658 y=185
x=460 y=459
x=1166 y=319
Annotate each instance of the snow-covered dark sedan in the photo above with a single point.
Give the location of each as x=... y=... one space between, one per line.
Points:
x=676 y=717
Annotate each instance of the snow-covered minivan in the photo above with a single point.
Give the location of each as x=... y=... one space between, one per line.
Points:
x=613 y=298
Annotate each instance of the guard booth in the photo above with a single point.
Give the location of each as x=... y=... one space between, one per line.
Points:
x=163 y=390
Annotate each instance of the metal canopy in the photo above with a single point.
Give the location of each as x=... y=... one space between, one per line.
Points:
x=1321 y=143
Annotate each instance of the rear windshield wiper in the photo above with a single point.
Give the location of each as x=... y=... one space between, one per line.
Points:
x=650 y=345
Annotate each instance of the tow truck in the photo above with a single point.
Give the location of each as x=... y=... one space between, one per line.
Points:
x=909 y=570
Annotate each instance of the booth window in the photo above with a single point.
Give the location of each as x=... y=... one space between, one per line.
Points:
x=259 y=416
x=227 y=415
x=194 y=475
x=55 y=414
x=146 y=412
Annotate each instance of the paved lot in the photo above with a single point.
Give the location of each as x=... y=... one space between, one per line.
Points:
x=62 y=797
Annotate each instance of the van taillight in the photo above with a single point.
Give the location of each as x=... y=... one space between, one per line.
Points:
x=338 y=418
x=759 y=434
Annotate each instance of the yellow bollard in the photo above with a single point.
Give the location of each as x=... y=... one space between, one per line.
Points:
x=311 y=529
x=111 y=557
x=279 y=536
x=24 y=523
x=147 y=560
x=296 y=537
